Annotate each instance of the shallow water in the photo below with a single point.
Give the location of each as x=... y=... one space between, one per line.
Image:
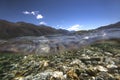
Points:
x=56 y=43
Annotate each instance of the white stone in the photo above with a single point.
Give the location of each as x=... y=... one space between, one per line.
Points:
x=45 y=64
x=25 y=57
x=111 y=66
x=76 y=61
x=86 y=37
x=19 y=78
x=101 y=68
x=57 y=74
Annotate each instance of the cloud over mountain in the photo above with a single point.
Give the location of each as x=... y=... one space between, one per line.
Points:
x=39 y=16
x=75 y=27
x=43 y=23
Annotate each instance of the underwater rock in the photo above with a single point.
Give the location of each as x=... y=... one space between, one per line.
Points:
x=58 y=75
x=71 y=74
x=69 y=65
x=101 y=68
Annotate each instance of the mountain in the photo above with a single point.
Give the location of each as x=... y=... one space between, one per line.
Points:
x=115 y=26
x=18 y=29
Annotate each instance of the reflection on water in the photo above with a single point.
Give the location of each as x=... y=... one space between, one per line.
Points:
x=56 y=43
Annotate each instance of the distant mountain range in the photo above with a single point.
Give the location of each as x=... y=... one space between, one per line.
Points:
x=18 y=29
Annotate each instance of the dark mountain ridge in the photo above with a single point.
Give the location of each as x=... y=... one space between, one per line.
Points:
x=18 y=29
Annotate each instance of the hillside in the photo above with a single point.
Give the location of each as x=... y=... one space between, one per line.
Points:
x=18 y=29
x=110 y=26
x=115 y=25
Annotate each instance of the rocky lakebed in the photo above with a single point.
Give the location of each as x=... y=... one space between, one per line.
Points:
x=98 y=61
x=90 y=56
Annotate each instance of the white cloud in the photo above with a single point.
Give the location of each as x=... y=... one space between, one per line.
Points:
x=57 y=25
x=34 y=13
x=43 y=23
x=39 y=16
x=26 y=12
x=75 y=27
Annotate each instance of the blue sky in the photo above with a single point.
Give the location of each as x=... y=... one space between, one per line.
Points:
x=66 y=14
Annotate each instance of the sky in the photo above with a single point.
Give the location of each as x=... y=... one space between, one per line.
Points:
x=64 y=14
